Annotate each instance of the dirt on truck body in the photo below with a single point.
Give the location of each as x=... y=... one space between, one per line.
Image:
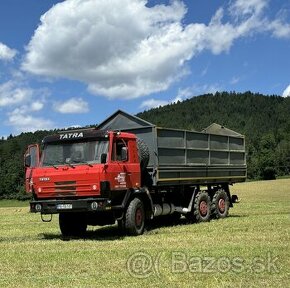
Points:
x=131 y=171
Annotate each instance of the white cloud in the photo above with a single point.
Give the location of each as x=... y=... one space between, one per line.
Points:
x=19 y=103
x=280 y=29
x=11 y=93
x=182 y=95
x=204 y=71
x=73 y=105
x=37 y=106
x=6 y=53
x=153 y=103
x=23 y=122
x=235 y=80
x=124 y=49
x=240 y=8
x=286 y=92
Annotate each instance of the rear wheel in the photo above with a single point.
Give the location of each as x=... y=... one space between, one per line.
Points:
x=220 y=204
x=72 y=224
x=135 y=217
x=201 y=208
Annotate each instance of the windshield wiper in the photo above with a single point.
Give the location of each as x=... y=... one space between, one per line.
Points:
x=83 y=162
x=89 y=164
x=50 y=164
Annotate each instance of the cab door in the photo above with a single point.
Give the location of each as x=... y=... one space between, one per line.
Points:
x=31 y=160
x=119 y=159
x=124 y=169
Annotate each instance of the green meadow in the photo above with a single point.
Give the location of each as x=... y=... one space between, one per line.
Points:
x=250 y=248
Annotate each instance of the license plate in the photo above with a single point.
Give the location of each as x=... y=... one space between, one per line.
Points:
x=64 y=206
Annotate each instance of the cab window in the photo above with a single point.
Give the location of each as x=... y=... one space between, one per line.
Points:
x=120 y=151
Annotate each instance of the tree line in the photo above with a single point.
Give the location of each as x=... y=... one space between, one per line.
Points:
x=264 y=120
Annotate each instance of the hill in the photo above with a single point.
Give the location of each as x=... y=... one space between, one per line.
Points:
x=264 y=120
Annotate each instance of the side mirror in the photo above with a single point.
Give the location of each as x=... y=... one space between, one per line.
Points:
x=124 y=154
x=27 y=160
x=103 y=158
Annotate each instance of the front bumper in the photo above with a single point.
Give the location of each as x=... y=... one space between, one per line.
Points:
x=76 y=205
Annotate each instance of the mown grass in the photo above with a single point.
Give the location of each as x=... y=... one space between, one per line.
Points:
x=256 y=236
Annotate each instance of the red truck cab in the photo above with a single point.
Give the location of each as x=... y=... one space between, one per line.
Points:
x=83 y=172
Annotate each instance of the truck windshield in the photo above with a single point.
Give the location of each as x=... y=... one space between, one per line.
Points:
x=73 y=152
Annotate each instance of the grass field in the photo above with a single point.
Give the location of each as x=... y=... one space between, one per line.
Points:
x=251 y=248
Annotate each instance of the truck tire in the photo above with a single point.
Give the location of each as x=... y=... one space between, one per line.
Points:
x=201 y=208
x=135 y=218
x=72 y=224
x=220 y=204
x=143 y=152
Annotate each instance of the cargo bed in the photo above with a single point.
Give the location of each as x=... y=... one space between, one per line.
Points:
x=187 y=157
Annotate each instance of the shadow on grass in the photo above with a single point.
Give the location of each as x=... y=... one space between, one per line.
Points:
x=109 y=233
x=237 y=215
x=164 y=221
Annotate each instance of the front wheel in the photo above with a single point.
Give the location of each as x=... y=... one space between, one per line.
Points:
x=72 y=224
x=135 y=218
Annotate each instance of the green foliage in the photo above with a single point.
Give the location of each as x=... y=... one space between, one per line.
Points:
x=11 y=164
x=264 y=120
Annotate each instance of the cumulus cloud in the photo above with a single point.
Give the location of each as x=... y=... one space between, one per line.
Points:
x=241 y=8
x=153 y=103
x=37 y=106
x=24 y=122
x=73 y=105
x=20 y=103
x=182 y=95
x=235 y=80
x=280 y=29
x=125 y=49
x=11 y=93
x=6 y=53
x=286 y=92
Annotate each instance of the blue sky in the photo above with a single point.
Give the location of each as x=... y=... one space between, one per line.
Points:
x=75 y=62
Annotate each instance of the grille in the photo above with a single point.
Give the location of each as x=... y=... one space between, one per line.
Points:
x=66 y=187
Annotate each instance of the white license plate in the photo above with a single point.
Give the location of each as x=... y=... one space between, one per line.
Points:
x=64 y=206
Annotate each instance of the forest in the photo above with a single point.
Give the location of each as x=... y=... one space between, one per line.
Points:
x=264 y=120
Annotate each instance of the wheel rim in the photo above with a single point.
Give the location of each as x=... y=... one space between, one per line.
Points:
x=139 y=217
x=222 y=205
x=203 y=208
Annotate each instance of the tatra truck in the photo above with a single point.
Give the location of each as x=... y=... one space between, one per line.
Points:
x=129 y=171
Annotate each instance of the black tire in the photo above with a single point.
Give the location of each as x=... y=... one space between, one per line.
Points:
x=201 y=208
x=143 y=152
x=220 y=204
x=72 y=224
x=135 y=218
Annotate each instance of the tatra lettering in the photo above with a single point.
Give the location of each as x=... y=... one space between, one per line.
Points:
x=71 y=135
